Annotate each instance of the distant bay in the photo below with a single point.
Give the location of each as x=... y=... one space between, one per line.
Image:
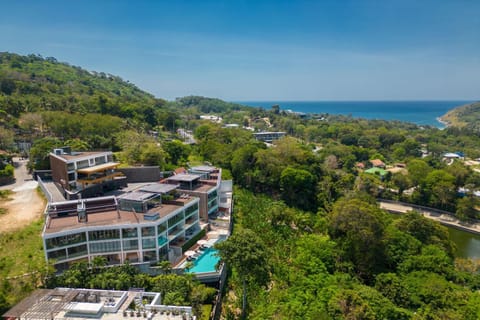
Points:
x=418 y=112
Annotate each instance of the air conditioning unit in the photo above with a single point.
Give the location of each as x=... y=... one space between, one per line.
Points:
x=58 y=151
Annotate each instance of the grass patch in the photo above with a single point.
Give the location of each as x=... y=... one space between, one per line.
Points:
x=5 y=195
x=206 y=310
x=22 y=250
x=41 y=194
x=21 y=253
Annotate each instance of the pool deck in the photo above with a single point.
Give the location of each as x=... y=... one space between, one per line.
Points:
x=181 y=263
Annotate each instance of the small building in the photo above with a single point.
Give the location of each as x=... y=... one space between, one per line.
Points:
x=268 y=137
x=453 y=156
x=76 y=171
x=213 y=118
x=360 y=165
x=377 y=163
x=231 y=126
x=71 y=303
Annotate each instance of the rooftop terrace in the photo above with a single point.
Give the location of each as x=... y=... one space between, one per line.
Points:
x=78 y=155
x=63 y=303
x=108 y=215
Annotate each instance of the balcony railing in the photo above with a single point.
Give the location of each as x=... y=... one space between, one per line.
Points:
x=100 y=179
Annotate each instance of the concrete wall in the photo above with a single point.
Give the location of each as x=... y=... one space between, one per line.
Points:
x=45 y=175
x=141 y=174
x=59 y=170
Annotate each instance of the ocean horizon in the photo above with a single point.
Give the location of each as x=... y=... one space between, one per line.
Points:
x=418 y=112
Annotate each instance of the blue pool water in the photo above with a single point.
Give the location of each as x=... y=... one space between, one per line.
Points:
x=206 y=262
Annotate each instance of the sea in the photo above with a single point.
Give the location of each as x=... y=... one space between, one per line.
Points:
x=418 y=112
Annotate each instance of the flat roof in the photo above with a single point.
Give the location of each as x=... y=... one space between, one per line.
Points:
x=204 y=168
x=184 y=177
x=269 y=132
x=63 y=303
x=99 y=167
x=136 y=196
x=111 y=218
x=80 y=154
x=84 y=307
x=159 y=188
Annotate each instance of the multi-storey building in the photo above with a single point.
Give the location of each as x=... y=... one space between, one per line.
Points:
x=79 y=170
x=202 y=182
x=147 y=225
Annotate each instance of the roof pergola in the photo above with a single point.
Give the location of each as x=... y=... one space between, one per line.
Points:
x=99 y=168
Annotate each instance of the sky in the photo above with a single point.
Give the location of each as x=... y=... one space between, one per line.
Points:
x=261 y=50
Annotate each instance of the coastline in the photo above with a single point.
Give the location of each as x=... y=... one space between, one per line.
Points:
x=420 y=113
x=445 y=123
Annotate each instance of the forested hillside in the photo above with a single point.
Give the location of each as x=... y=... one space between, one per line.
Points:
x=467 y=116
x=309 y=240
x=32 y=83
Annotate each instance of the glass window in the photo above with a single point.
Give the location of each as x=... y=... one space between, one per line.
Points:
x=212 y=204
x=191 y=209
x=161 y=227
x=130 y=244
x=109 y=246
x=162 y=240
x=129 y=233
x=70 y=166
x=129 y=205
x=163 y=253
x=148 y=243
x=172 y=221
x=77 y=251
x=99 y=160
x=148 y=231
x=82 y=164
x=212 y=195
x=104 y=234
x=149 y=256
x=57 y=254
x=65 y=240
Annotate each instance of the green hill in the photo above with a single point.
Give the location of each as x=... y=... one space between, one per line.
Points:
x=467 y=116
x=33 y=83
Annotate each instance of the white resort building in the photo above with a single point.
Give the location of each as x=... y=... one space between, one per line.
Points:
x=153 y=222
x=80 y=304
x=143 y=226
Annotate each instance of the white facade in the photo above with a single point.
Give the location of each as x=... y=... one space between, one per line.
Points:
x=142 y=242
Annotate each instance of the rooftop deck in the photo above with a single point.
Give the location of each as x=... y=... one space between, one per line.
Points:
x=68 y=303
x=110 y=217
x=79 y=155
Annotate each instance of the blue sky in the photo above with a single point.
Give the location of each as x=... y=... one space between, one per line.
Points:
x=262 y=50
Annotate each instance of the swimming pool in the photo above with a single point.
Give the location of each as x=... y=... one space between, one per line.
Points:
x=206 y=262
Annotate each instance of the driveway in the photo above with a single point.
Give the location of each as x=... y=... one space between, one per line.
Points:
x=25 y=205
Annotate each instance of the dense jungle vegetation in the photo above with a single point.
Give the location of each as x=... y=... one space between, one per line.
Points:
x=309 y=241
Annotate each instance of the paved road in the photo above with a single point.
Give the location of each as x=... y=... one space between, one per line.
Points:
x=21 y=176
x=442 y=218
